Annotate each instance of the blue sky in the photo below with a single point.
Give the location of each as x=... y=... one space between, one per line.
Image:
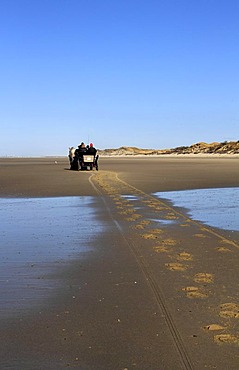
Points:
x=152 y=74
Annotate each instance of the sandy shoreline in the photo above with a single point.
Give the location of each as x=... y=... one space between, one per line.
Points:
x=149 y=295
x=33 y=177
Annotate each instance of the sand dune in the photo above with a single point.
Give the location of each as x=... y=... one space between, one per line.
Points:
x=231 y=148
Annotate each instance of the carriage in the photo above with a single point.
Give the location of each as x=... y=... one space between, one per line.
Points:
x=83 y=162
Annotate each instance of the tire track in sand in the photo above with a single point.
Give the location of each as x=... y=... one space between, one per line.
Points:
x=150 y=279
x=181 y=259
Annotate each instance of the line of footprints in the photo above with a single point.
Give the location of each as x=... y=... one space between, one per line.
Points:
x=227 y=312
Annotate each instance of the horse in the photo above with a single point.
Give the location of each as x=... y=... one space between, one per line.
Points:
x=71 y=154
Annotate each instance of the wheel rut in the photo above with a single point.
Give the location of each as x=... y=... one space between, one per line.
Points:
x=167 y=244
x=114 y=187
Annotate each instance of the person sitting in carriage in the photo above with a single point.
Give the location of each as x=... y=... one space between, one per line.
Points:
x=91 y=150
x=78 y=157
x=80 y=151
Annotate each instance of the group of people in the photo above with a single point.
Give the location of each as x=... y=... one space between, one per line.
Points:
x=88 y=149
x=77 y=159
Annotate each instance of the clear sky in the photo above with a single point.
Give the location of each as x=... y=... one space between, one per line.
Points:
x=146 y=73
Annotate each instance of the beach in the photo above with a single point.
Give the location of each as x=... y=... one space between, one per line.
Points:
x=156 y=290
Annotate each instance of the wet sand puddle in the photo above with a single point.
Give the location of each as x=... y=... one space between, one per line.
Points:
x=215 y=207
x=38 y=236
x=204 y=261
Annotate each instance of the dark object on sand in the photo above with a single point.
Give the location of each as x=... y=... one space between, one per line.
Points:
x=85 y=162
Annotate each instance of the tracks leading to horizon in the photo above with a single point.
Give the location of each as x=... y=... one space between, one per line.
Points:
x=178 y=247
x=153 y=284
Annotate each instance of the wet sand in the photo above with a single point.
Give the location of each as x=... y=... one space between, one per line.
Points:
x=33 y=177
x=150 y=295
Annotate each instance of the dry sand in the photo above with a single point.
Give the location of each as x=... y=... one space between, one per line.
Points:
x=152 y=296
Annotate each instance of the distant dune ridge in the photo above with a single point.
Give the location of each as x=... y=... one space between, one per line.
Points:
x=227 y=147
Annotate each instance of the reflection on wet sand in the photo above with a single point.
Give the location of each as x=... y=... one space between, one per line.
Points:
x=216 y=207
x=38 y=235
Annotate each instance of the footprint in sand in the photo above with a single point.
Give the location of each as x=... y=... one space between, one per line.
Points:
x=121 y=206
x=128 y=205
x=145 y=222
x=156 y=231
x=170 y=242
x=160 y=209
x=157 y=207
x=139 y=227
x=142 y=224
x=134 y=217
x=119 y=202
x=152 y=205
x=226 y=338
x=127 y=212
x=195 y=295
x=229 y=310
x=190 y=289
x=149 y=236
x=224 y=250
x=214 y=327
x=184 y=256
x=195 y=292
x=203 y=277
x=171 y=216
x=160 y=249
x=174 y=266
